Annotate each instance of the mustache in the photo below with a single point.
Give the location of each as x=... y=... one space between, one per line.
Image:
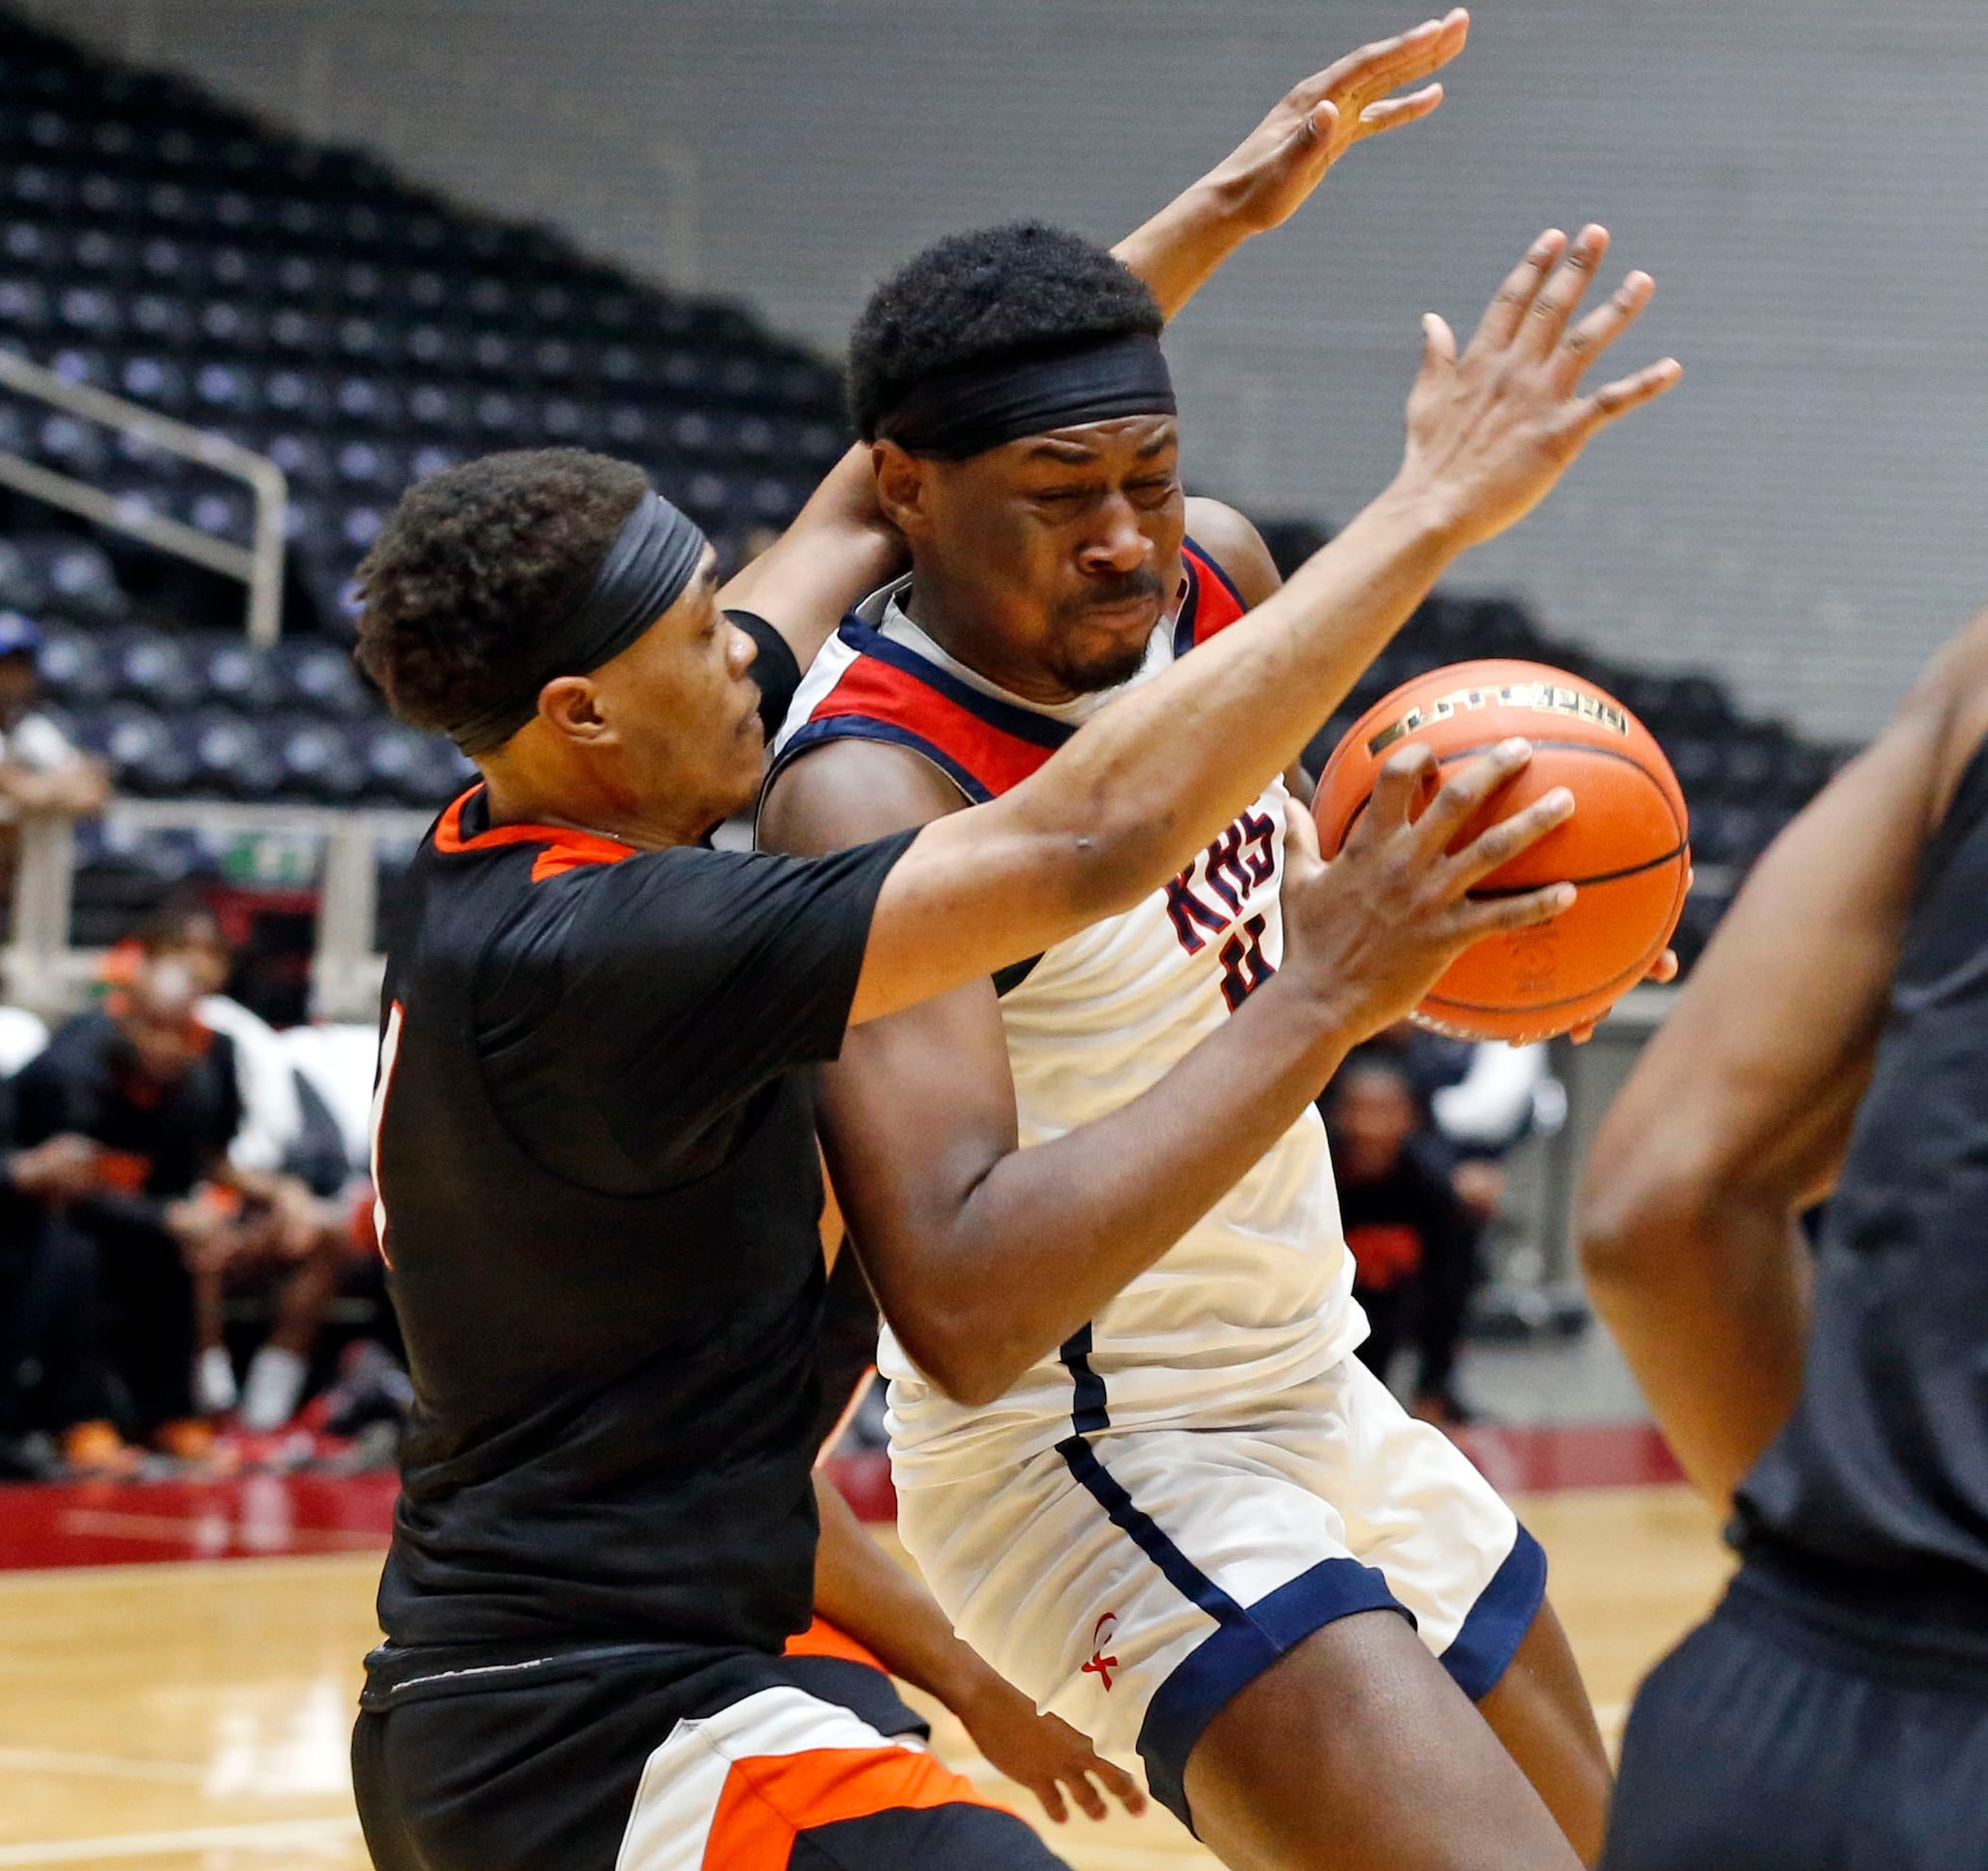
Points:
x=1120 y=587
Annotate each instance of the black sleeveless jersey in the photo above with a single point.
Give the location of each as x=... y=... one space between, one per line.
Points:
x=616 y=1387
x=1878 y=1484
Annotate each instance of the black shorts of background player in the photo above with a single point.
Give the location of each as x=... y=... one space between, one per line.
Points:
x=1832 y=1042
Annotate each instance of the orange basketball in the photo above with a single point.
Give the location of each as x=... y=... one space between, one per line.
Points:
x=1626 y=849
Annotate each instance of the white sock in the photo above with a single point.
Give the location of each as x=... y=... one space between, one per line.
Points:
x=275 y=1387
x=214 y=1381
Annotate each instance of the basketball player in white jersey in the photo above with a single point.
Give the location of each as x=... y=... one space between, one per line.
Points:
x=1181 y=1515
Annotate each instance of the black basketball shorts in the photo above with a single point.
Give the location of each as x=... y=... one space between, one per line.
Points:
x=608 y=1764
x=1772 y=1739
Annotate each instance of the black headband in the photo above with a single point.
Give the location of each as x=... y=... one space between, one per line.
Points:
x=655 y=555
x=975 y=407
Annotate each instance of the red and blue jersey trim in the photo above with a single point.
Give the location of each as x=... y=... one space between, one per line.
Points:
x=1212 y=603
x=984 y=746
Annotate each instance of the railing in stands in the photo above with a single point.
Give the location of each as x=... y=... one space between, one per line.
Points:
x=258 y=566
x=47 y=975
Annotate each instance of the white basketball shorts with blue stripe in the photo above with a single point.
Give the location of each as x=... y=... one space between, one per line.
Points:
x=1133 y=1581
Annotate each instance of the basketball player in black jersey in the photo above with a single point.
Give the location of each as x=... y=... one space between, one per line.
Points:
x=1831 y=1046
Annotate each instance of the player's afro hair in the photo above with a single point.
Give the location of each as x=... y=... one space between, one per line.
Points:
x=983 y=295
x=473 y=566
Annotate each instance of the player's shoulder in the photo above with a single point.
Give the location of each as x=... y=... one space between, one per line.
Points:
x=848 y=792
x=1227 y=540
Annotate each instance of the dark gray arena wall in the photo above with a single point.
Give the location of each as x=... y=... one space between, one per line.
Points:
x=1805 y=178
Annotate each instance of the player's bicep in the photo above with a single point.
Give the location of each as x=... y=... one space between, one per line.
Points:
x=956 y=906
x=913 y=1116
x=1757 y=1072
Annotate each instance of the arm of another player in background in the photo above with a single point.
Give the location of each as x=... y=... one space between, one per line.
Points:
x=840 y=548
x=865 y=1593
x=1738 y=1113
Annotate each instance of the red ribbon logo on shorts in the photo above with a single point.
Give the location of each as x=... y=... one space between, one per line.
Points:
x=1101 y=1665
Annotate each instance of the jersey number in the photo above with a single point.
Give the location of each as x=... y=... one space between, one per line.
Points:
x=1244 y=968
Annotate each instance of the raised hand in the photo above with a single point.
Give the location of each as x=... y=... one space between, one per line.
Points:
x=1277 y=166
x=1267 y=178
x=1373 y=930
x=1491 y=431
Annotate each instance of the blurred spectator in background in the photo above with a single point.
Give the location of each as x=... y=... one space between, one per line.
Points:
x=1413 y=1241
x=52 y=1389
x=286 y=1125
x=1484 y=1102
x=154 y=1089
x=41 y=770
x=287 y=1150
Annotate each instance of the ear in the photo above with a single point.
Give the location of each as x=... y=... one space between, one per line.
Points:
x=904 y=488
x=570 y=706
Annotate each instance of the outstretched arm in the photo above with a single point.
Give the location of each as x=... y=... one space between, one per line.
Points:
x=1739 y=1111
x=840 y=547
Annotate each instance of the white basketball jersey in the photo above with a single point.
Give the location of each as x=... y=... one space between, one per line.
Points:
x=1256 y=1296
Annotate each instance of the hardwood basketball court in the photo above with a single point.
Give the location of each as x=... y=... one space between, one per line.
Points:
x=192 y=1714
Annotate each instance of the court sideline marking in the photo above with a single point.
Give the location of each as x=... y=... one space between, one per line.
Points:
x=107 y=1767
x=272 y=1833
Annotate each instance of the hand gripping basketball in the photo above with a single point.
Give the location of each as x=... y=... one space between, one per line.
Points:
x=1627 y=854
x=1372 y=932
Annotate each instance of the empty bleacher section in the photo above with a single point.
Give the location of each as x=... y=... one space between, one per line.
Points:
x=314 y=308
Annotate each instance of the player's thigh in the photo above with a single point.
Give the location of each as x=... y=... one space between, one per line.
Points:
x=1357 y=1751
x=1540 y=1709
x=1756 y=1746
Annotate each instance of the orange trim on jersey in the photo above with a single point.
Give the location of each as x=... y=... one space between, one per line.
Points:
x=565 y=849
x=822 y=1639
x=124 y=1170
x=769 y=1800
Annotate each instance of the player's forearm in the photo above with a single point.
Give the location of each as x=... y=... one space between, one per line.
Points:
x=838 y=550
x=1182 y=247
x=981 y=1281
x=865 y=1594
x=1707 y=1302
